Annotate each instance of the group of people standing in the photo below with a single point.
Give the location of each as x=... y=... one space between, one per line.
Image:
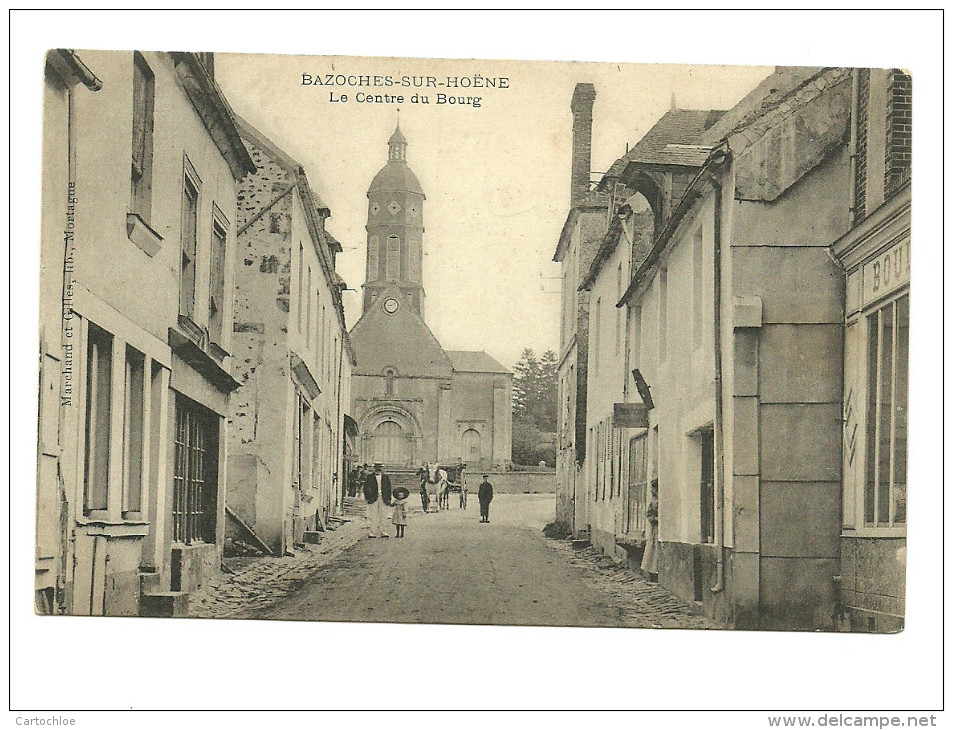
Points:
x=379 y=495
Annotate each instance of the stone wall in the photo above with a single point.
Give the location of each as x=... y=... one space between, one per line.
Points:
x=513 y=482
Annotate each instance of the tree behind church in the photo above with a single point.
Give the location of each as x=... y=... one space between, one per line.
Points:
x=534 y=407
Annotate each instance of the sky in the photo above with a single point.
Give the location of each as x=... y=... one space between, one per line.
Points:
x=496 y=176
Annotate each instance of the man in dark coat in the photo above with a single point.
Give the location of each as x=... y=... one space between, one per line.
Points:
x=485 y=495
x=377 y=496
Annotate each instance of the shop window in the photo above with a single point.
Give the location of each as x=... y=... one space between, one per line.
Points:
x=98 y=406
x=885 y=490
x=195 y=474
x=133 y=432
x=635 y=513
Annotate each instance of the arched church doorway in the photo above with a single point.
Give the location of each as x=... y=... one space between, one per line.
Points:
x=390 y=445
x=472 y=446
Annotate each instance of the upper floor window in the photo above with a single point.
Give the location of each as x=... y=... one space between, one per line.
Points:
x=216 y=294
x=190 y=214
x=389 y=376
x=143 y=100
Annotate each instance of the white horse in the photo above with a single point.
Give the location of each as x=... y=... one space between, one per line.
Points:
x=438 y=482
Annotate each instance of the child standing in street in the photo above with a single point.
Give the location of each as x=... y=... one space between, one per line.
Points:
x=399 y=517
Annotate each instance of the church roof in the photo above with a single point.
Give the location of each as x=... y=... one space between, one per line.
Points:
x=474 y=361
x=396 y=176
x=397 y=137
x=401 y=340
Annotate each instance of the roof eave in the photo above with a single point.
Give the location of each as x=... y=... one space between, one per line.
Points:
x=213 y=109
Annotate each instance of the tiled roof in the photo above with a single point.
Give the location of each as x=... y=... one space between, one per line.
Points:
x=474 y=361
x=675 y=139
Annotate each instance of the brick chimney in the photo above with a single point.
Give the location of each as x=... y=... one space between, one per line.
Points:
x=582 y=100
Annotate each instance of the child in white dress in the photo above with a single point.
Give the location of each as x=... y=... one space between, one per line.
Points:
x=399 y=518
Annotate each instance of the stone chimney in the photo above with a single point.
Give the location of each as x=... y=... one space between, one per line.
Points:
x=582 y=100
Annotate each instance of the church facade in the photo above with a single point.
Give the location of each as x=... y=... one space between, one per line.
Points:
x=415 y=402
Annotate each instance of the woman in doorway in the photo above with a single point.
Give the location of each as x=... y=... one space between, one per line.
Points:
x=650 y=556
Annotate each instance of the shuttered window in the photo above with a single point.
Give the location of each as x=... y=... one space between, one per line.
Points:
x=143 y=100
x=190 y=212
x=216 y=304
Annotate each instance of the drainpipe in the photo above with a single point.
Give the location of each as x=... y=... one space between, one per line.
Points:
x=717 y=161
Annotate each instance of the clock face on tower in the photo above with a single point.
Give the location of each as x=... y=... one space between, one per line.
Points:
x=394 y=207
x=391 y=305
x=413 y=210
x=375 y=208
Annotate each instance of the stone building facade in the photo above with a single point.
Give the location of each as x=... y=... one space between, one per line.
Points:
x=136 y=329
x=581 y=235
x=413 y=401
x=732 y=375
x=875 y=254
x=619 y=460
x=293 y=358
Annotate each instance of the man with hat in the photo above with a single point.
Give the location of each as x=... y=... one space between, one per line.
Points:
x=485 y=495
x=377 y=496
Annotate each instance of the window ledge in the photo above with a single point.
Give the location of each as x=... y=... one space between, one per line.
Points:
x=141 y=234
x=113 y=528
x=875 y=532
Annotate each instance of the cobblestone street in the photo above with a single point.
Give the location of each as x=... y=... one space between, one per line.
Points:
x=448 y=569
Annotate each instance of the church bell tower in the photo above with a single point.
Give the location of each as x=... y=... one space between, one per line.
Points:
x=395 y=227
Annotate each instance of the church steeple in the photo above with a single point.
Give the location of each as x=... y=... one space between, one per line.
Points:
x=397 y=144
x=395 y=228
